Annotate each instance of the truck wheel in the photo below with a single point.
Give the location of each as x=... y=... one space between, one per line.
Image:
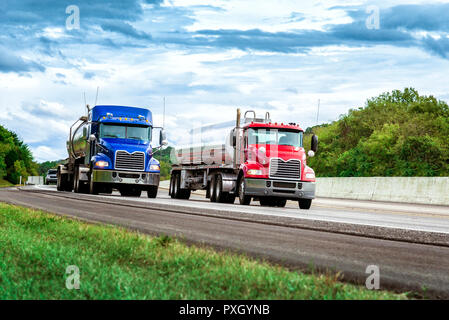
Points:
x=106 y=189
x=130 y=192
x=243 y=199
x=184 y=194
x=67 y=183
x=172 y=185
x=76 y=181
x=305 y=203
x=175 y=190
x=268 y=201
x=152 y=192
x=93 y=187
x=281 y=203
x=219 y=194
x=59 y=182
x=230 y=198
x=213 y=189
x=170 y=188
x=78 y=185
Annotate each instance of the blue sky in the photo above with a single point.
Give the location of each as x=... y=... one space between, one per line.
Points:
x=210 y=57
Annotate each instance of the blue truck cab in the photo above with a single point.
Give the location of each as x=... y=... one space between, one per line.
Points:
x=111 y=149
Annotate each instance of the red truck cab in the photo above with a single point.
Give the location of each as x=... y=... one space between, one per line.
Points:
x=275 y=165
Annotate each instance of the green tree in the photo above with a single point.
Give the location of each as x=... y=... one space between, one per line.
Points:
x=399 y=133
x=15 y=157
x=164 y=158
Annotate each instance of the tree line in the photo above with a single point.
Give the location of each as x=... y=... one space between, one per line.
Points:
x=398 y=133
x=16 y=159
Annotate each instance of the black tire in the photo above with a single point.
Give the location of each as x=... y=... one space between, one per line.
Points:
x=170 y=188
x=219 y=194
x=268 y=201
x=152 y=192
x=60 y=183
x=184 y=194
x=305 y=203
x=213 y=189
x=172 y=185
x=130 y=191
x=281 y=203
x=230 y=198
x=67 y=184
x=78 y=185
x=94 y=188
x=175 y=190
x=76 y=181
x=243 y=199
x=106 y=189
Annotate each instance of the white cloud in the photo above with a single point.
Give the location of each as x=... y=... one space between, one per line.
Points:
x=43 y=153
x=205 y=85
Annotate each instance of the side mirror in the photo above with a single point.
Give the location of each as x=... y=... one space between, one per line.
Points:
x=162 y=138
x=314 y=143
x=233 y=138
x=92 y=138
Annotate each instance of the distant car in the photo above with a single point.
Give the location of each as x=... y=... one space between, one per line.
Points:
x=51 y=176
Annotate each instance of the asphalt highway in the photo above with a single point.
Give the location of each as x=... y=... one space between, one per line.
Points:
x=281 y=235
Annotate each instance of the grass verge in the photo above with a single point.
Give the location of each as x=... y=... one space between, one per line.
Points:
x=5 y=183
x=37 y=247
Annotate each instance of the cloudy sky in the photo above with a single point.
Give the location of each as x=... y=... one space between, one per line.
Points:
x=208 y=57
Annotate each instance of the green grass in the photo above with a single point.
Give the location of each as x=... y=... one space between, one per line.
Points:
x=5 y=183
x=36 y=248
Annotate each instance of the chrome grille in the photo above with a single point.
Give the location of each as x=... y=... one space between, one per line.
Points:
x=287 y=170
x=126 y=161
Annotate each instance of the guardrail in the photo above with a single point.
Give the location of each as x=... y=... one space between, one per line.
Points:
x=424 y=190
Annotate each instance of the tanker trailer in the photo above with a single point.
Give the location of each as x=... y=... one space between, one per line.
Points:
x=258 y=159
x=110 y=148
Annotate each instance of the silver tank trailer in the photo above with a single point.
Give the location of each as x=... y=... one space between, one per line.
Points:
x=203 y=145
x=77 y=145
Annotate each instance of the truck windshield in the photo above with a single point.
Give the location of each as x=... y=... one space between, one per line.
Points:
x=125 y=132
x=280 y=137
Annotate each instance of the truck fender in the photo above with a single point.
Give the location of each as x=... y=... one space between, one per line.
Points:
x=229 y=181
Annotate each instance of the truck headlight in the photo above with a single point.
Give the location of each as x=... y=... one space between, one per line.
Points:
x=310 y=175
x=155 y=167
x=102 y=164
x=254 y=172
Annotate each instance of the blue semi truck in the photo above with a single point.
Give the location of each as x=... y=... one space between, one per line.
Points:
x=110 y=148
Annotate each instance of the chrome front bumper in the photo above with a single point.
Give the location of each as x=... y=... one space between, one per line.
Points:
x=126 y=177
x=283 y=189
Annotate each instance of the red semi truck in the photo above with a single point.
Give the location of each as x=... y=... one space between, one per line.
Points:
x=260 y=160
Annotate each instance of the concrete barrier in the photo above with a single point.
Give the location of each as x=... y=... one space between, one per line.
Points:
x=426 y=190
x=35 y=180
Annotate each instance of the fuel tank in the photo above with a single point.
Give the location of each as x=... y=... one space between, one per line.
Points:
x=77 y=145
x=207 y=145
